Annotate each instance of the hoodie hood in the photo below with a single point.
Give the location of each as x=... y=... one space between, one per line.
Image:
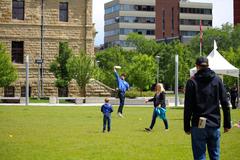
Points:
x=205 y=75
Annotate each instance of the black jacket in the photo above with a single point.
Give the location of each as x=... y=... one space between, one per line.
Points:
x=159 y=100
x=203 y=95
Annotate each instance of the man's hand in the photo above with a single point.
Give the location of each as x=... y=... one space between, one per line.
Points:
x=226 y=130
x=145 y=100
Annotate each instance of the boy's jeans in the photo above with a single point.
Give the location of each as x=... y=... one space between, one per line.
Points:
x=106 y=121
x=202 y=137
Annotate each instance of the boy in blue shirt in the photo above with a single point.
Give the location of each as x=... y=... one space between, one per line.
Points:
x=123 y=86
x=106 y=109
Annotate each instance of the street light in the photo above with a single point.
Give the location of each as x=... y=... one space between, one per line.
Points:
x=39 y=62
x=157 y=57
x=27 y=80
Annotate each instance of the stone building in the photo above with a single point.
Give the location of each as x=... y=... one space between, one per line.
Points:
x=35 y=28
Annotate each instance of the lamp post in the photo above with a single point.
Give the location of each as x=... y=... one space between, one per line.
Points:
x=157 y=57
x=27 y=80
x=39 y=62
x=176 y=80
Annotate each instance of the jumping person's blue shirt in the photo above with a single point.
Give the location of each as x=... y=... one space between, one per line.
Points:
x=123 y=86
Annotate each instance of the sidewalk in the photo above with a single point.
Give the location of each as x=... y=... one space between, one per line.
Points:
x=98 y=101
x=80 y=105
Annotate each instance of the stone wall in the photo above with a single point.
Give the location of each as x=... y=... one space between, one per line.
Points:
x=78 y=32
x=94 y=88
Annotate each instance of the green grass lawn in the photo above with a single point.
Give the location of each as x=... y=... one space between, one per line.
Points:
x=74 y=133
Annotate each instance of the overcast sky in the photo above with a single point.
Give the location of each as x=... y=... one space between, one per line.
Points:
x=222 y=13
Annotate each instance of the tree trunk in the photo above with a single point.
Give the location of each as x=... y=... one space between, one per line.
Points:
x=141 y=91
x=83 y=93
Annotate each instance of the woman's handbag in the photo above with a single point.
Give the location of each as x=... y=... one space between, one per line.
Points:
x=160 y=112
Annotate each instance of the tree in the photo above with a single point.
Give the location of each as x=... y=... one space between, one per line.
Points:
x=226 y=37
x=143 y=45
x=108 y=58
x=80 y=68
x=8 y=73
x=59 y=68
x=234 y=58
x=228 y=40
x=141 y=72
x=167 y=63
x=235 y=38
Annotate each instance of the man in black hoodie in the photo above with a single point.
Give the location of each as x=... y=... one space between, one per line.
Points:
x=203 y=95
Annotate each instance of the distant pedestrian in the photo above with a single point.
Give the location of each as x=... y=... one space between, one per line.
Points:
x=106 y=109
x=234 y=95
x=204 y=92
x=123 y=86
x=159 y=106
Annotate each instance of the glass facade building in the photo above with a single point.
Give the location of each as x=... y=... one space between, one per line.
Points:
x=124 y=17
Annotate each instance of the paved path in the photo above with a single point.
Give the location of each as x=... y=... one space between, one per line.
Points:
x=75 y=105
x=98 y=101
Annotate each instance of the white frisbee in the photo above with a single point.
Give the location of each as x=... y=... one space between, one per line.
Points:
x=118 y=67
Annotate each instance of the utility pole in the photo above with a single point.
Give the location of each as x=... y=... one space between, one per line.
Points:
x=158 y=58
x=27 y=81
x=42 y=40
x=176 y=80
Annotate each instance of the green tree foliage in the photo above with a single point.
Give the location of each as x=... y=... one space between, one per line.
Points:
x=142 y=71
x=143 y=45
x=234 y=58
x=108 y=58
x=235 y=38
x=8 y=73
x=226 y=37
x=59 y=65
x=167 y=63
x=81 y=68
x=228 y=40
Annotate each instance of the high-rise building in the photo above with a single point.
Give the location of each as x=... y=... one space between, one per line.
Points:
x=35 y=28
x=167 y=19
x=181 y=19
x=126 y=16
x=190 y=15
x=236 y=11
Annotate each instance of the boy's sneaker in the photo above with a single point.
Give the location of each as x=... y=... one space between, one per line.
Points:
x=103 y=131
x=148 y=129
x=120 y=115
x=166 y=130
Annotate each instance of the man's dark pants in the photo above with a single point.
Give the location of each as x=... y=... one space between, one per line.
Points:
x=121 y=96
x=233 y=102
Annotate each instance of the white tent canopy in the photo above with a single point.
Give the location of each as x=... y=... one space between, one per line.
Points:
x=219 y=64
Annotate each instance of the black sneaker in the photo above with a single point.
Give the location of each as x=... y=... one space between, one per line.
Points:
x=148 y=129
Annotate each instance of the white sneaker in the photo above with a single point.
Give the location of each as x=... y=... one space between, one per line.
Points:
x=120 y=115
